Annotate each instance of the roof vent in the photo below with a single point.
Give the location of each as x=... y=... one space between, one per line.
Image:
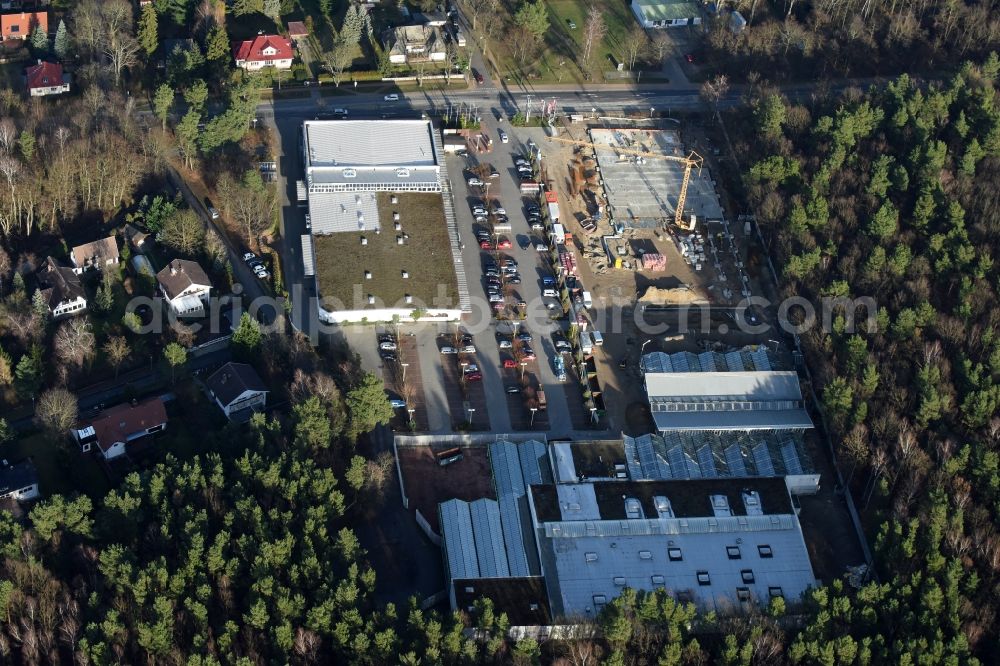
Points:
x=751 y=500
x=395 y=215
x=394 y=199
x=399 y=227
x=400 y=240
x=406 y=275
x=408 y=299
x=720 y=506
x=371 y=300
x=364 y=241
x=368 y=275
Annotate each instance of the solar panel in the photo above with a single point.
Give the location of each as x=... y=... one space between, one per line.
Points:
x=706 y=461
x=734 y=460
x=678 y=463
x=681 y=362
x=790 y=456
x=707 y=361
x=734 y=360
x=762 y=459
x=760 y=359
x=632 y=459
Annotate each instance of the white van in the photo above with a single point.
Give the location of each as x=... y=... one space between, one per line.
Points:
x=586 y=345
x=588 y=300
x=598 y=338
x=550 y=293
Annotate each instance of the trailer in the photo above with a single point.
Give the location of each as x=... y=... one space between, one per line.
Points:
x=302 y=194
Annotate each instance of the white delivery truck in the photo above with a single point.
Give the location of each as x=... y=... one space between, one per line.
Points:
x=588 y=301
x=586 y=344
x=558 y=234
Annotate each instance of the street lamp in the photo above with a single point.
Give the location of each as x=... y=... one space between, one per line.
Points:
x=524 y=364
x=651 y=112
x=532 y=423
x=404 y=366
x=411 y=412
x=471 y=411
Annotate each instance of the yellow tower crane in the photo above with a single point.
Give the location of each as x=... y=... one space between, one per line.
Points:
x=693 y=160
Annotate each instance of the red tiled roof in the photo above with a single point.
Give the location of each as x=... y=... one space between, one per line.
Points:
x=25 y=22
x=252 y=49
x=121 y=421
x=44 y=75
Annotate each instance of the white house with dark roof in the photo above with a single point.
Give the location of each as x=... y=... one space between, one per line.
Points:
x=238 y=390
x=61 y=289
x=185 y=286
x=19 y=481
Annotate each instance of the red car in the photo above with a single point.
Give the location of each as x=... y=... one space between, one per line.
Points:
x=485 y=245
x=473 y=376
x=478 y=77
x=509 y=363
x=503 y=243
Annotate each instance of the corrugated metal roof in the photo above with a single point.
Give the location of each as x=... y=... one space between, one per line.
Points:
x=533 y=458
x=510 y=522
x=506 y=464
x=458 y=539
x=490 y=551
x=352 y=143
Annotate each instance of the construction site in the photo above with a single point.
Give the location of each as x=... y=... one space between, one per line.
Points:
x=649 y=222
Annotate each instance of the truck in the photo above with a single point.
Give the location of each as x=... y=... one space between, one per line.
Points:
x=559 y=366
x=586 y=344
x=301 y=193
x=558 y=234
x=553 y=205
x=542 y=404
x=588 y=300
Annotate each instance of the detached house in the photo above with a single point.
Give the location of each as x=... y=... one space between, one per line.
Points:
x=95 y=255
x=416 y=43
x=238 y=390
x=20 y=26
x=61 y=289
x=19 y=481
x=666 y=13
x=46 y=78
x=185 y=286
x=264 y=51
x=110 y=431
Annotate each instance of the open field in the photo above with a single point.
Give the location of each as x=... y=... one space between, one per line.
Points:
x=341 y=260
x=560 y=58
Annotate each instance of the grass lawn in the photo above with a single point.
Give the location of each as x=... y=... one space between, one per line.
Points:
x=341 y=260
x=61 y=469
x=558 y=60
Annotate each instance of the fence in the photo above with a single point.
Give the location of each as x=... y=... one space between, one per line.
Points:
x=426 y=527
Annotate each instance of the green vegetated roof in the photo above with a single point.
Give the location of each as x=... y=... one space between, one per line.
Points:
x=656 y=10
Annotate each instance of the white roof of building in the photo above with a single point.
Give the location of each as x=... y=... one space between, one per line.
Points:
x=753 y=386
x=373 y=143
x=333 y=212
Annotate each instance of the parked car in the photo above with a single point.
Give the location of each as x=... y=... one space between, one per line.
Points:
x=589 y=226
x=537 y=226
x=485 y=245
x=478 y=77
x=513 y=389
x=541 y=247
x=249 y=257
x=495 y=298
x=514 y=278
x=493 y=172
x=563 y=346
x=474 y=182
x=397 y=403
x=478 y=209
x=509 y=363
x=448 y=350
x=503 y=137
x=520 y=161
x=505 y=344
x=528 y=354
x=525 y=336
x=571 y=23
x=499 y=210
x=261 y=272
x=468 y=349
x=473 y=376
x=503 y=243
x=549 y=293
x=388 y=356
x=391 y=98
x=387 y=346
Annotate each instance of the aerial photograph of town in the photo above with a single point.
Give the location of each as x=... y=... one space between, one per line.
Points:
x=509 y=332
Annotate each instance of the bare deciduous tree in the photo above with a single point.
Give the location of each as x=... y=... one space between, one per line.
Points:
x=594 y=31
x=117 y=350
x=122 y=52
x=74 y=343
x=56 y=410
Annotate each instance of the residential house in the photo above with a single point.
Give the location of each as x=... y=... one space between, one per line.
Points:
x=46 y=78
x=416 y=43
x=111 y=430
x=19 y=481
x=20 y=26
x=185 y=286
x=139 y=240
x=238 y=390
x=297 y=30
x=97 y=255
x=666 y=13
x=61 y=289
x=264 y=51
